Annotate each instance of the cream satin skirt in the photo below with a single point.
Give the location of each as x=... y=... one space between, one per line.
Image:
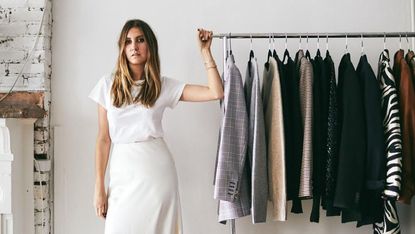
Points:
x=143 y=196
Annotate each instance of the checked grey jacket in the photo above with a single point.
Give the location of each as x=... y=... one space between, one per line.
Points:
x=231 y=178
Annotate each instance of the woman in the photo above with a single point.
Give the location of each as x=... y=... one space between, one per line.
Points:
x=143 y=191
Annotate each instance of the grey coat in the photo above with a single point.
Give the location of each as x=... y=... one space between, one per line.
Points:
x=256 y=144
x=231 y=180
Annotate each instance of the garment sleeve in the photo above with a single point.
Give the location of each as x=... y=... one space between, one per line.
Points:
x=100 y=92
x=174 y=89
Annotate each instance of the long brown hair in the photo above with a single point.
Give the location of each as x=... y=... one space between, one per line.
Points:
x=150 y=88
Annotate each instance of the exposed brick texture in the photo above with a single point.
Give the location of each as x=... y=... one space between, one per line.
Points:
x=19 y=24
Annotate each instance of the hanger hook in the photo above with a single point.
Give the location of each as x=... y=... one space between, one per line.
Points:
x=407 y=40
x=250 y=36
x=400 y=41
x=384 y=41
x=230 y=43
x=361 y=36
x=286 y=40
x=327 y=42
x=273 y=41
x=299 y=47
x=269 y=41
x=347 y=49
x=307 y=41
x=318 y=41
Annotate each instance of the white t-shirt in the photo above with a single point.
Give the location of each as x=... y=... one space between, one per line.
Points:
x=135 y=122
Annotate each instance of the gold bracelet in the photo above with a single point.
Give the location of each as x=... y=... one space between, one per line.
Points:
x=210 y=64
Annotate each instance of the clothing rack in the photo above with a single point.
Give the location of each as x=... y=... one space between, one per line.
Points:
x=226 y=36
x=315 y=35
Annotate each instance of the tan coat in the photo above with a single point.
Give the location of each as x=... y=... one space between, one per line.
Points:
x=274 y=131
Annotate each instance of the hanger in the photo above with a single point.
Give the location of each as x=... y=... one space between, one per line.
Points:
x=384 y=41
x=299 y=46
x=286 y=40
x=227 y=47
x=286 y=53
x=400 y=42
x=318 y=41
x=346 y=49
x=407 y=41
x=318 y=53
x=251 y=52
x=251 y=55
x=269 y=48
x=361 y=44
x=307 y=53
x=327 y=43
x=230 y=44
x=274 y=52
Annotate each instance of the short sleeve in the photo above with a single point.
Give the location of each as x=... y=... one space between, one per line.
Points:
x=100 y=92
x=173 y=90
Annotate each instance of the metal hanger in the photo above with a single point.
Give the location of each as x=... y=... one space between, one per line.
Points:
x=400 y=42
x=250 y=36
x=273 y=42
x=362 y=46
x=251 y=52
x=286 y=41
x=347 y=49
x=299 y=46
x=274 y=51
x=384 y=41
x=269 y=48
x=307 y=52
x=230 y=44
x=407 y=41
x=327 y=43
x=318 y=41
x=286 y=53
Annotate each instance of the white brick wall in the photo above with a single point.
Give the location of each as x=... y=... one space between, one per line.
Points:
x=20 y=21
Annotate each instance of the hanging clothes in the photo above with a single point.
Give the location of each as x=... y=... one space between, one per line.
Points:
x=274 y=129
x=256 y=144
x=406 y=95
x=371 y=202
x=306 y=101
x=410 y=58
x=390 y=223
x=352 y=142
x=333 y=136
x=293 y=131
x=320 y=119
x=411 y=61
x=231 y=178
x=392 y=130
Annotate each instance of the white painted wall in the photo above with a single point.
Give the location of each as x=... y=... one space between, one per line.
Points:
x=84 y=48
x=21 y=146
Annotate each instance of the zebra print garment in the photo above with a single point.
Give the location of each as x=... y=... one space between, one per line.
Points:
x=390 y=224
x=392 y=130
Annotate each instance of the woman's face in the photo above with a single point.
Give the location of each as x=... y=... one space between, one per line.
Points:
x=136 y=47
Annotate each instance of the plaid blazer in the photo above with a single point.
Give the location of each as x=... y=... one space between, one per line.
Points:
x=231 y=178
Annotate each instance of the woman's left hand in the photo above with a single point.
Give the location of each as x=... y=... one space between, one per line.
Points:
x=205 y=38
